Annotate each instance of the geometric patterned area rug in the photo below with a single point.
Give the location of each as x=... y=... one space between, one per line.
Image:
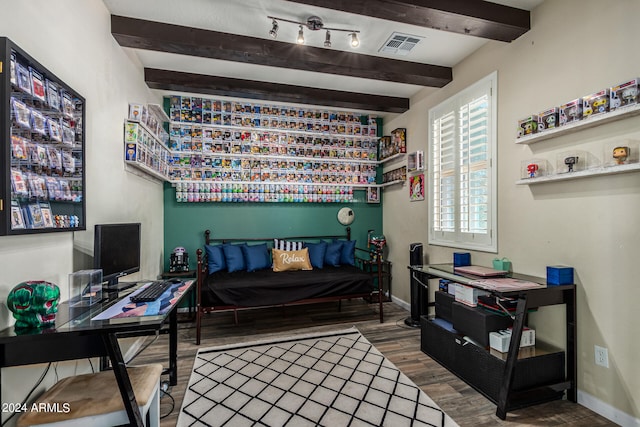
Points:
x=326 y=379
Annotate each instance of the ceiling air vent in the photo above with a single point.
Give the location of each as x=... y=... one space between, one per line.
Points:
x=400 y=44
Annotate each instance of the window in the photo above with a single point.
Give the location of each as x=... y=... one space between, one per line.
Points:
x=462 y=145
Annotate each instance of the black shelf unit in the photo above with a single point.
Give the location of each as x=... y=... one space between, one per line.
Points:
x=510 y=380
x=538 y=367
x=42 y=141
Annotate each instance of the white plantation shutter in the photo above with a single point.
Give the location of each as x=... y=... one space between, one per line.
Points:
x=462 y=141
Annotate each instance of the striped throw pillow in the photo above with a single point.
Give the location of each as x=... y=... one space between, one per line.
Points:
x=286 y=245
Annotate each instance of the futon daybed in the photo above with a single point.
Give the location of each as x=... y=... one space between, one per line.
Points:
x=223 y=286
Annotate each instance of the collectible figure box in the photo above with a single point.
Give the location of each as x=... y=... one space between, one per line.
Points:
x=533 y=168
x=548 y=119
x=570 y=112
x=621 y=152
x=624 y=94
x=85 y=288
x=596 y=103
x=528 y=126
x=572 y=161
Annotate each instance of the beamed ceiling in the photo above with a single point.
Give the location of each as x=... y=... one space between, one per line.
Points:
x=223 y=48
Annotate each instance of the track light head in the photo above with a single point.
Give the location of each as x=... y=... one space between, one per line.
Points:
x=300 y=39
x=327 y=39
x=274 y=29
x=354 y=40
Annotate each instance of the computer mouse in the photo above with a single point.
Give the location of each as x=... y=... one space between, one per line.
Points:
x=175 y=280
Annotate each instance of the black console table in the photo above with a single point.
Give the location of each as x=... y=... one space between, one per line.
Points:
x=76 y=335
x=513 y=371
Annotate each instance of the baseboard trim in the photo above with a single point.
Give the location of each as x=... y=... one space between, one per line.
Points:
x=609 y=412
x=401 y=303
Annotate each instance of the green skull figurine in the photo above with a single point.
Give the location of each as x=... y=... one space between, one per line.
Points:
x=34 y=303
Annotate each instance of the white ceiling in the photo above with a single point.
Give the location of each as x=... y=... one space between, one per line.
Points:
x=249 y=18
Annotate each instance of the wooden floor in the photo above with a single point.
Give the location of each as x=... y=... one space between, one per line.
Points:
x=398 y=342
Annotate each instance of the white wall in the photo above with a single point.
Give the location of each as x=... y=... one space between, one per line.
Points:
x=72 y=38
x=575 y=47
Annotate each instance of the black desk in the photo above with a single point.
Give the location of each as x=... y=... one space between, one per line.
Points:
x=533 y=298
x=76 y=336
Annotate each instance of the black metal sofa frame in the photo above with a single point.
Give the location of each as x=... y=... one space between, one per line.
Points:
x=204 y=304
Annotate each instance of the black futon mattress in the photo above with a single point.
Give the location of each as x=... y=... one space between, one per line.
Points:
x=266 y=287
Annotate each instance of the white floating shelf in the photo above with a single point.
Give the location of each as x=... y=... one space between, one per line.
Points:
x=597 y=120
x=392 y=158
x=158 y=111
x=611 y=170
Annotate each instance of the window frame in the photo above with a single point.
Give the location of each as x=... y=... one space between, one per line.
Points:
x=485 y=242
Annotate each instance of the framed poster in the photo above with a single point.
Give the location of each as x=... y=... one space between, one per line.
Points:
x=416 y=187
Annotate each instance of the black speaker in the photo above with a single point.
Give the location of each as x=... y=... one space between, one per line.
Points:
x=415 y=254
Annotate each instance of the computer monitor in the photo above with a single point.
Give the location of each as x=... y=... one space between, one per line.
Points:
x=116 y=250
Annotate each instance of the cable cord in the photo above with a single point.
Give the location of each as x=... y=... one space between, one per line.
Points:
x=173 y=403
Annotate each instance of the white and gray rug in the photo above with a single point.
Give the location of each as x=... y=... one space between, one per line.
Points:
x=327 y=379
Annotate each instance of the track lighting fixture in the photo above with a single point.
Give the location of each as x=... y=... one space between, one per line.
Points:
x=274 y=29
x=354 y=40
x=313 y=23
x=327 y=39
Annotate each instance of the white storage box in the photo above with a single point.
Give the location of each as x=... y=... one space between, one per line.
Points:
x=500 y=340
x=468 y=295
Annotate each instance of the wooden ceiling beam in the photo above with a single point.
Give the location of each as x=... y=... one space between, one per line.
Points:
x=238 y=88
x=162 y=37
x=469 y=17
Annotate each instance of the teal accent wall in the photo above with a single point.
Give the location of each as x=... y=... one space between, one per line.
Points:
x=185 y=223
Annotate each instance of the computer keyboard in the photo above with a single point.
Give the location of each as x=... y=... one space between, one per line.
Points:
x=151 y=292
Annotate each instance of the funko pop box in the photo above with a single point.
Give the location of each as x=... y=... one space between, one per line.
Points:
x=624 y=94
x=548 y=119
x=595 y=103
x=570 y=112
x=527 y=126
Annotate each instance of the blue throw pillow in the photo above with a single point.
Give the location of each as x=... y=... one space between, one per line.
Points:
x=234 y=257
x=316 y=253
x=332 y=255
x=256 y=257
x=348 y=254
x=215 y=258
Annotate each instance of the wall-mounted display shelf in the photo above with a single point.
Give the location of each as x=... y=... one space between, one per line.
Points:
x=274 y=192
x=206 y=111
x=248 y=152
x=42 y=124
x=145 y=150
x=208 y=139
x=394 y=176
x=393 y=158
x=388 y=184
x=146 y=141
x=390 y=146
x=610 y=170
x=219 y=151
x=597 y=120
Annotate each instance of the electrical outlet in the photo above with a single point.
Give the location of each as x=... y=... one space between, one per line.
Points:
x=602 y=356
